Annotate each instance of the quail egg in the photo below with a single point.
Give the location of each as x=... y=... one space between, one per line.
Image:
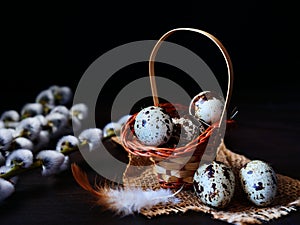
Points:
x=214 y=184
x=259 y=181
x=186 y=129
x=153 y=126
x=207 y=106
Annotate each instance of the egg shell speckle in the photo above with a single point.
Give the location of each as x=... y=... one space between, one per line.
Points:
x=153 y=126
x=207 y=106
x=187 y=128
x=214 y=184
x=259 y=181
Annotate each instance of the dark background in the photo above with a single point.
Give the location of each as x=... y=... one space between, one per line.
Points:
x=45 y=44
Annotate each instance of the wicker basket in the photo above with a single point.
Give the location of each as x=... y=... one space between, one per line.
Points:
x=176 y=166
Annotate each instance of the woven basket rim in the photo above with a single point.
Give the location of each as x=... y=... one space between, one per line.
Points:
x=133 y=146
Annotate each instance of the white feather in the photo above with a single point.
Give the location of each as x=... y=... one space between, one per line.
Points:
x=124 y=200
x=130 y=200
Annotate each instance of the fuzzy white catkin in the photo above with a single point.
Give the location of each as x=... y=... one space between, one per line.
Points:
x=53 y=88
x=32 y=109
x=11 y=115
x=23 y=143
x=45 y=96
x=6 y=137
x=42 y=140
x=110 y=128
x=11 y=125
x=41 y=119
x=65 y=94
x=65 y=165
x=31 y=124
x=51 y=161
x=21 y=155
x=129 y=201
x=6 y=189
x=72 y=141
x=58 y=123
x=61 y=109
x=76 y=124
x=92 y=136
x=2 y=125
x=79 y=111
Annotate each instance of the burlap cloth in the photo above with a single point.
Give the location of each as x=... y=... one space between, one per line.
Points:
x=140 y=173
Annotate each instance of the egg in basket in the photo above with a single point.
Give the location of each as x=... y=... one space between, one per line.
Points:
x=175 y=136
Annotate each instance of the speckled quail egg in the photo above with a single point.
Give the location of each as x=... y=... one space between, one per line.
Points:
x=153 y=126
x=259 y=181
x=214 y=184
x=186 y=129
x=207 y=106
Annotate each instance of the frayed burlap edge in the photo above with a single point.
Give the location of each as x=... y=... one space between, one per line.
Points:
x=140 y=173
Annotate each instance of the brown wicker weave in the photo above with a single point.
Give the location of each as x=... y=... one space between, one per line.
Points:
x=174 y=165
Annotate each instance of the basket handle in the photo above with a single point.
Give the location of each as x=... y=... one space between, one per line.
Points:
x=216 y=42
